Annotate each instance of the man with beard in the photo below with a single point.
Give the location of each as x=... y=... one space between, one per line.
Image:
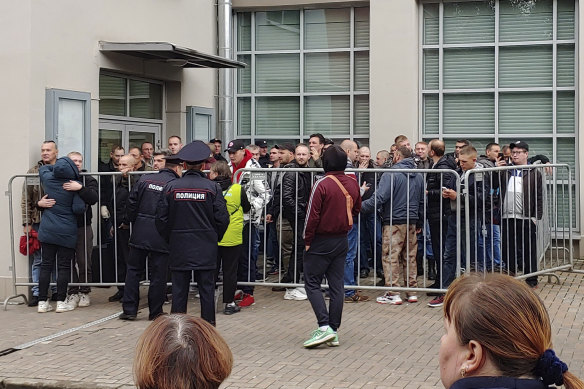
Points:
x=295 y=194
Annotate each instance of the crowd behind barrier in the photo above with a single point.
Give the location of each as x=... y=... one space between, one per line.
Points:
x=418 y=229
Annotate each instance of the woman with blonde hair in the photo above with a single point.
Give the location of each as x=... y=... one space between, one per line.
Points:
x=498 y=335
x=181 y=352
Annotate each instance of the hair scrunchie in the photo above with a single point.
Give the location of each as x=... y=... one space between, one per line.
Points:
x=550 y=368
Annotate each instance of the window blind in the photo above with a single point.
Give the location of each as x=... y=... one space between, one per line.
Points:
x=469 y=68
x=525 y=20
x=279 y=115
x=525 y=113
x=326 y=114
x=326 y=72
x=361 y=109
x=464 y=113
x=327 y=28
x=469 y=22
x=525 y=66
x=112 y=95
x=277 y=30
x=277 y=73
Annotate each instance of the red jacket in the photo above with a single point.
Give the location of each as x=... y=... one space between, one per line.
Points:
x=326 y=213
x=241 y=165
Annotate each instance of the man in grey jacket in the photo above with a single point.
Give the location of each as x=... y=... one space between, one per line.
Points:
x=401 y=196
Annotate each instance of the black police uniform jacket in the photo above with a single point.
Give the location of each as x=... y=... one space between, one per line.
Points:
x=142 y=205
x=192 y=217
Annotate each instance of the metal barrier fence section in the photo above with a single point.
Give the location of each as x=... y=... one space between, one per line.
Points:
x=520 y=220
x=417 y=231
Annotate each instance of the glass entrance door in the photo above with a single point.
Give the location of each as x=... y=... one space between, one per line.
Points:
x=126 y=134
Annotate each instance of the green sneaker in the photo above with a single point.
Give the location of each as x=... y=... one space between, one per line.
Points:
x=319 y=337
x=334 y=342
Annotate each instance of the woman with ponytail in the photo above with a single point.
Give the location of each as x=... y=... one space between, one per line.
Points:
x=498 y=336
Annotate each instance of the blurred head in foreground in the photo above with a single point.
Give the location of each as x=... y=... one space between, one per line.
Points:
x=180 y=351
x=496 y=326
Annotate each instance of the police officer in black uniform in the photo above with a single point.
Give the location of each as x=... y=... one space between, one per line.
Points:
x=145 y=241
x=192 y=216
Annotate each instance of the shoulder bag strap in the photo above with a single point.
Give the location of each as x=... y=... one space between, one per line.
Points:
x=348 y=198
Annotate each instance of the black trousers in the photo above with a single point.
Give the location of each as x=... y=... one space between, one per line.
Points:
x=136 y=271
x=123 y=240
x=326 y=256
x=205 y=280
x=519 y=241
x=62 y=256
x=438 y=229
x=295 y=264
x=229 y=258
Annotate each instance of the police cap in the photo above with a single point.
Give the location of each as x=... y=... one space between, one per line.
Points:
x=196 y=151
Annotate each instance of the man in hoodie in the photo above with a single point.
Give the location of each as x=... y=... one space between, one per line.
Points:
x=401 y=196
x=258 y=194
x=335 y=198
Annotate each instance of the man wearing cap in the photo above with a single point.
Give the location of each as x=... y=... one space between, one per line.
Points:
x=192 y=217
x=334 y=201
x=217 y=152
x=264 y=157
x=258 y=194
x=145 y=241
x=522 y=206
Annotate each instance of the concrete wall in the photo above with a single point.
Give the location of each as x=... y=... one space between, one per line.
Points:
x=54 y=44
x=394 y=71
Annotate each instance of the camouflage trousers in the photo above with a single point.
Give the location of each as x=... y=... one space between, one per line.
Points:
x=399 y=250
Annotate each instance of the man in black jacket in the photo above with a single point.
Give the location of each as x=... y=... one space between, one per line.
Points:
x=283 y=229
x=192 y=217
x=437 y=207
x=121 y=223
x=87 y=190
x=145 y=241
x=295 y=195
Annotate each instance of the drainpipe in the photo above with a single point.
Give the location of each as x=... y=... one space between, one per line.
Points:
x=225 y=88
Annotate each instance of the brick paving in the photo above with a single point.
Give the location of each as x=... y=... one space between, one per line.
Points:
x=382 y=346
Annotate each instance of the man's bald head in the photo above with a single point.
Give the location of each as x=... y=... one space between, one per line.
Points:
x=350 y=148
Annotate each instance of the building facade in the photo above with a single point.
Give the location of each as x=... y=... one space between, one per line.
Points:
x=495 y=70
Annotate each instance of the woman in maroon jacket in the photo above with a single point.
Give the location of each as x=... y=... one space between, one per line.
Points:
x=329 y=217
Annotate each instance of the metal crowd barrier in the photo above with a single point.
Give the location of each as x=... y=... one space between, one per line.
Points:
x=274 y=267
x=509 y=239
x=273 y=243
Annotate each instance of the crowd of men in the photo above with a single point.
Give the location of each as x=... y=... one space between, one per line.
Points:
x=406 y=225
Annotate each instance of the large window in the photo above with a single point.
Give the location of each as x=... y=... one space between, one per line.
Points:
x=308 y=71
x=501 y=70
x=128 y=97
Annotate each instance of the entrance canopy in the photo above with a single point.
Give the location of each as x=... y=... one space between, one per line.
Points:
x=167 y=52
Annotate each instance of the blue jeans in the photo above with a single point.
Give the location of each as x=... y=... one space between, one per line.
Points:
x=35 y=268
x=349 y=276
x=489 y=242
x=272 y=247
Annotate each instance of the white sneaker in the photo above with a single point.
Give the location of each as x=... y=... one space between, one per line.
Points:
x=295 y=294
x=388 y=298
x=413 y=299
x=63 y=306
x=44 y=306
x=84 y=300
x=73 y=300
